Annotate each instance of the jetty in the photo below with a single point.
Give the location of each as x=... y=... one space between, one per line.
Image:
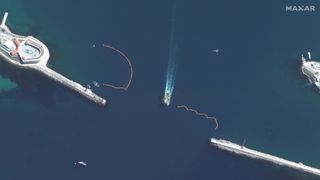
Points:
x=241 y=150
x=311 y=69
x=28 y=52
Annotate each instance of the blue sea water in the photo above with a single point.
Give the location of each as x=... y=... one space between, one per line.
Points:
x=253 y=86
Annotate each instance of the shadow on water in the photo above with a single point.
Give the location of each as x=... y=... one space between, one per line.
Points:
x=32 y=86
x=26 y=29
x=34 y=29
x=53 y=53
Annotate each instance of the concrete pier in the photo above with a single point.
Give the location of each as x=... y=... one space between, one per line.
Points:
x=237 y=149
x=29 y=53
x=71 y=84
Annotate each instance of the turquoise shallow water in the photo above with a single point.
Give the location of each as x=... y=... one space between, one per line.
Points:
x=6 y=84
x=252 y=86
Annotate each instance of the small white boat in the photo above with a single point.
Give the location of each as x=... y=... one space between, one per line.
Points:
x=215 y=50
x=96 y=84
x=80 y=163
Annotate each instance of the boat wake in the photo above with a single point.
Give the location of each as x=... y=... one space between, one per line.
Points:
x=170 y=78
x=172 y=62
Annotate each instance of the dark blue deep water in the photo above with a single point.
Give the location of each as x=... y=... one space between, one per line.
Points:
x=253 y=86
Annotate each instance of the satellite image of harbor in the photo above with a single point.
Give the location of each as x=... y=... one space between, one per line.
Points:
x=157 y=90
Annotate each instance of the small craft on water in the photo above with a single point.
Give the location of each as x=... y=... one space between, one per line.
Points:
x=215 y=50
x=96 y=84
x=81 y=163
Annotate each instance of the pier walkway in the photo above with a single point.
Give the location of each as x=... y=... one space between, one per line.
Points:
x=71 y=84
x=237 y=149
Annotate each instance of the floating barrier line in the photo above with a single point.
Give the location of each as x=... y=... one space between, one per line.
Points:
x=200 y=114
x=125 y=88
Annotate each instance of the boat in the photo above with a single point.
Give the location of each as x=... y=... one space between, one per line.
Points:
x=96 y=84
x=215 y=50
x=81 y=163
x=167 y=98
